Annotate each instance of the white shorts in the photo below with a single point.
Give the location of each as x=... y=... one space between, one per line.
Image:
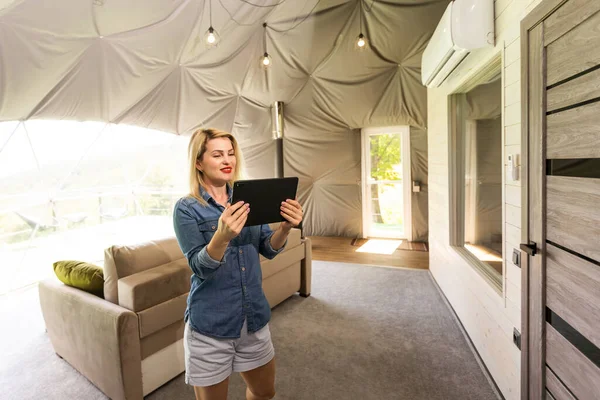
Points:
x=209 y=361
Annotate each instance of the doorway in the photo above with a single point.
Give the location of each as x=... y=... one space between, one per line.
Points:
x=386 y=183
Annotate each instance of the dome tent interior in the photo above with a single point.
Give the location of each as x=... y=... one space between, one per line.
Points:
x=421 y=133
x=98 y=99
x=145 y=64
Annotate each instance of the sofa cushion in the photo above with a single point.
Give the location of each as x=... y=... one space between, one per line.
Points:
x=121 y=261
x=282 y=261
x=293 y=240
x=159 y=340
x=80 y=275
x=162 y=315
x=281 y=285
x=154 y=286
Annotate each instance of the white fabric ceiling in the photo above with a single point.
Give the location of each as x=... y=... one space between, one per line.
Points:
x=143 y=62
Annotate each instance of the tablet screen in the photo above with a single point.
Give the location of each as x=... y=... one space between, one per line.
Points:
x=265 y=197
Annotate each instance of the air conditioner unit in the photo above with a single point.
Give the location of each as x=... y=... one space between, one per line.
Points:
x=466 y=25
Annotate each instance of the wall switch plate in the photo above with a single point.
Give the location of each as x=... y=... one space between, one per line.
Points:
x=517 y=338
x=516 y=258
x=513 y=167
x=416 y=186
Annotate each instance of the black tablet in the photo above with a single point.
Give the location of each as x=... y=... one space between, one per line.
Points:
x=265 y=197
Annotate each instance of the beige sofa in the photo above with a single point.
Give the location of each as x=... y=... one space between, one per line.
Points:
x=131 y=342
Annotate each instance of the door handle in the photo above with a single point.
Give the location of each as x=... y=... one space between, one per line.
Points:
x=529 y=248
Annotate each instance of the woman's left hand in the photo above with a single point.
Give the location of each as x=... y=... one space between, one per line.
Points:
x=291 y=210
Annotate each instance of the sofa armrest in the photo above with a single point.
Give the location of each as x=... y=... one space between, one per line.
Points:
x=98 y=338
x=154 y=286
x=306 y=268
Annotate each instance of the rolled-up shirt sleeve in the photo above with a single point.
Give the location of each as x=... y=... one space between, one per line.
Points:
x=204 y=259
x=265 y=248
x=192 y=242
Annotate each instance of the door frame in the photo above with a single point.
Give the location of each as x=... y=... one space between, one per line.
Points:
x=533 y=119
x=404 y=131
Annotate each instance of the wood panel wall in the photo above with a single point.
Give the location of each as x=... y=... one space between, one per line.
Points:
x=488 y=317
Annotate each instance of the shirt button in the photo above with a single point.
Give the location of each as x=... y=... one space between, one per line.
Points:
x=213 y=227
x=241 y=251
x=243 y=268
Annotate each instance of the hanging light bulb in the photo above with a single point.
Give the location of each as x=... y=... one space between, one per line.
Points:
x=211 y=38
x=265 y=60
x=361 y=42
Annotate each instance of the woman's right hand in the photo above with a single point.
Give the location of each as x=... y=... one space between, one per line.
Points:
x=232 y=221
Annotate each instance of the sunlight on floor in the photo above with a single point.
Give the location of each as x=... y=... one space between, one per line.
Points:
x=379 y=246
x=482 y=254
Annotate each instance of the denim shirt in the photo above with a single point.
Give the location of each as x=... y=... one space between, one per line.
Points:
x=223 y=292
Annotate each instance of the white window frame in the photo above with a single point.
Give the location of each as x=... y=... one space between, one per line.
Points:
x=404 y=131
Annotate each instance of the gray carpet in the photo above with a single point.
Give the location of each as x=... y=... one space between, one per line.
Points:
x=365 y=333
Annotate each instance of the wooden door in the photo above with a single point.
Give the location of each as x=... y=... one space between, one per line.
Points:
x=561 y=200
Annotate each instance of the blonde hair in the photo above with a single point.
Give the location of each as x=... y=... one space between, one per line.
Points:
x=196 y=150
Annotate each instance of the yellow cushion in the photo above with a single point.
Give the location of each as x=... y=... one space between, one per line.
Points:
x=81 y=275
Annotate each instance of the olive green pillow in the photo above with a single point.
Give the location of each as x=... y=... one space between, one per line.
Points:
x=81 y=275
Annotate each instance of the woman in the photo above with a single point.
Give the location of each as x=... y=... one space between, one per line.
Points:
x=227 y=313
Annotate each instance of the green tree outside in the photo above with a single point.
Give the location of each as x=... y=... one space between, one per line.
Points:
x=386 y=165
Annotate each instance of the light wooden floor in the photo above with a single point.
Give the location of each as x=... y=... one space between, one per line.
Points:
x=341 y=249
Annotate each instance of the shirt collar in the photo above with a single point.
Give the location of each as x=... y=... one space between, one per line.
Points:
x=207 y=197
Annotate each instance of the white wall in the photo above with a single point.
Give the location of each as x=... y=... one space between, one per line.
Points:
x=488 y=317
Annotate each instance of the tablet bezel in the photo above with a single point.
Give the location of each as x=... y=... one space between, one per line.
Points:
x=265 y=197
